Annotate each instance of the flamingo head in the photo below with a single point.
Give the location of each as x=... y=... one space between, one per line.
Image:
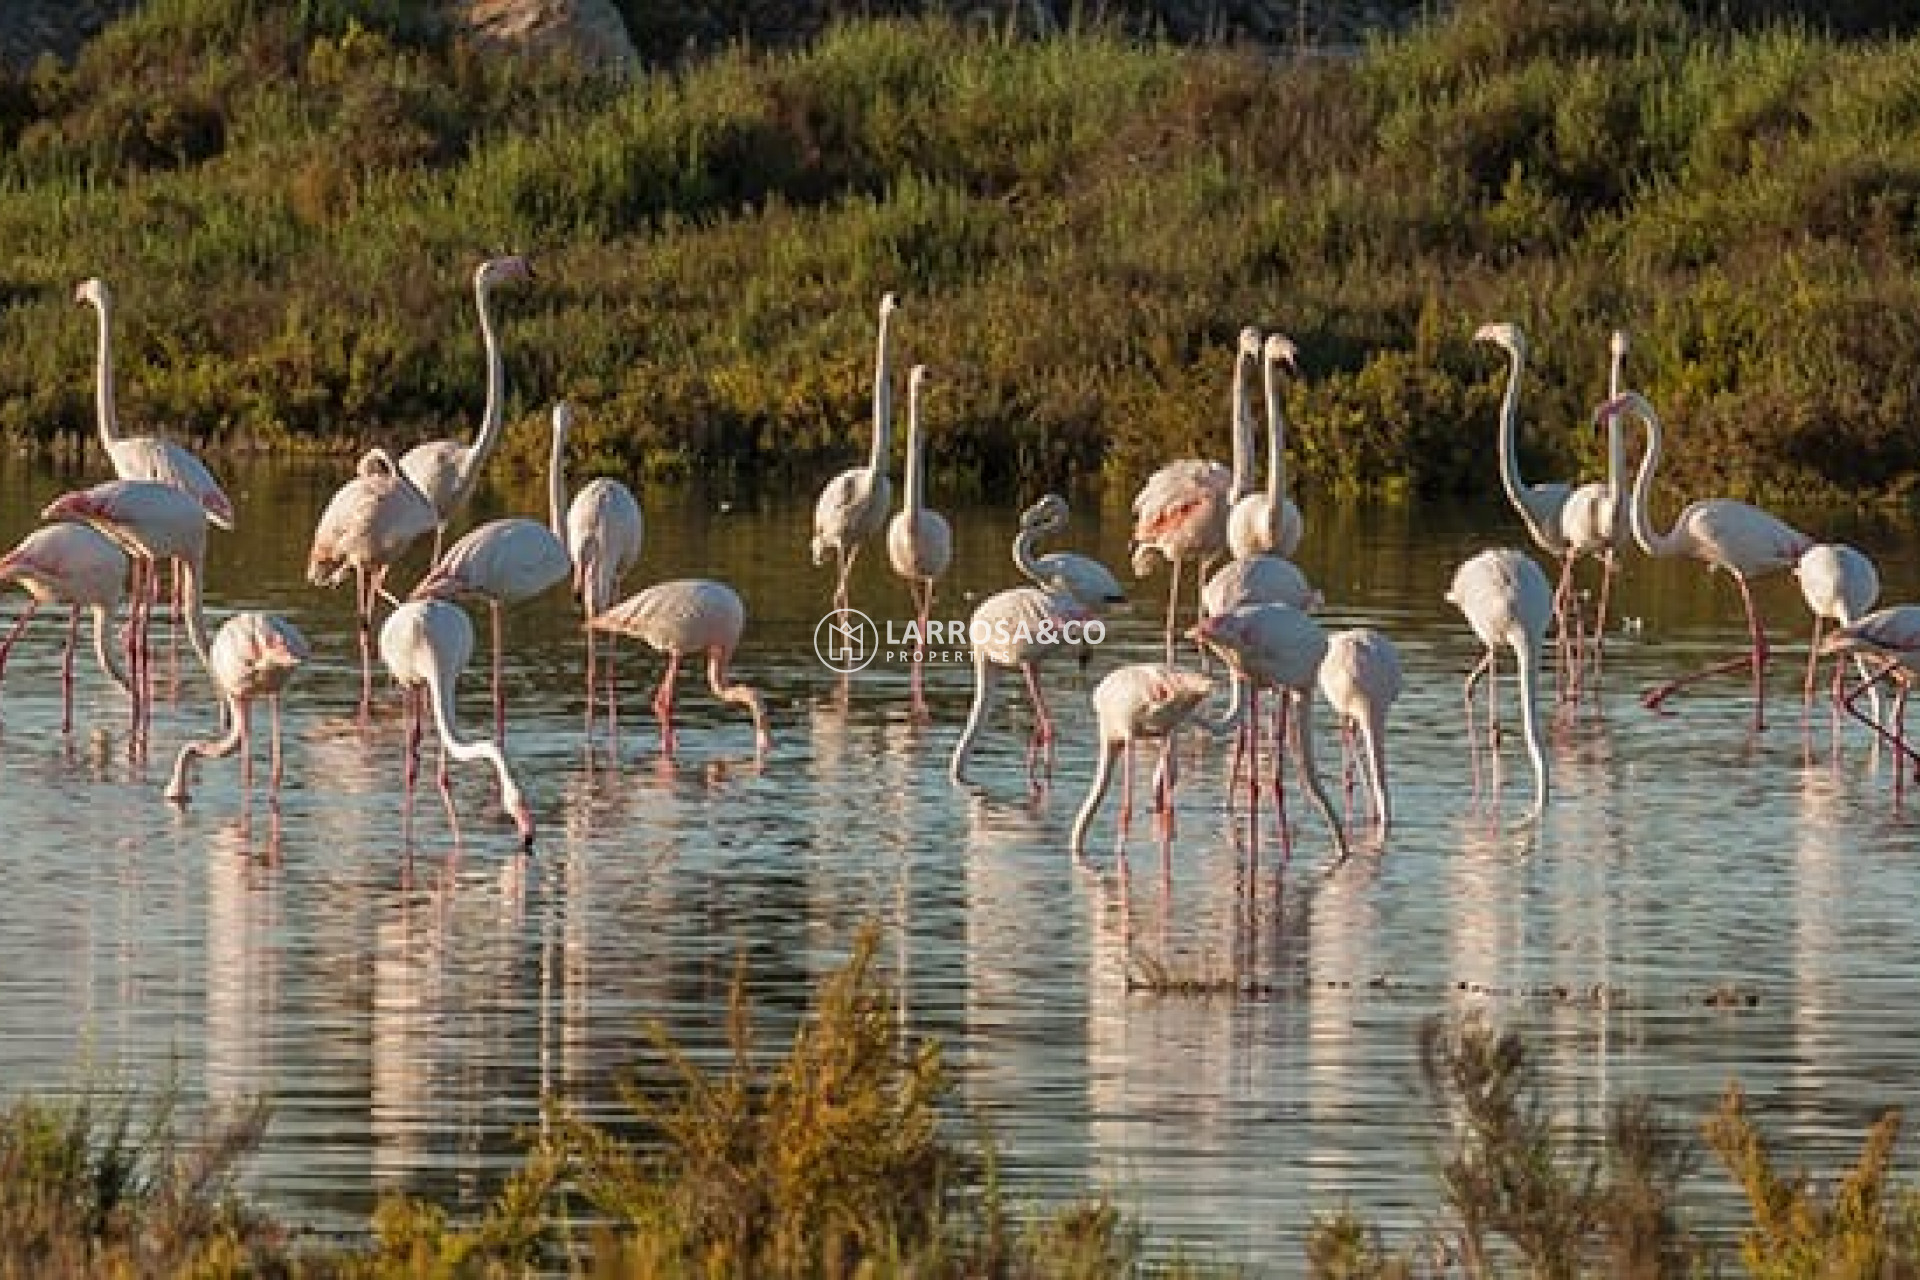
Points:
x=889 y=303
x=1249 y=343
x=78 y=505
x=284 y=646
x=93 y=289
x=511 y=267
x=1048 y=515
x=516 y=806
x=1145 y=558
x=1280 y=351
x=918 y=377
x=1504 y=333
x=1626 y=402
x=1224 y=633
x=562 y=418
x=1617 y=344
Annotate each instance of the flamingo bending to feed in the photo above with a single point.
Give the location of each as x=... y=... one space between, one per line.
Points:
x=78 y=566
x=1016 y=627
x=507 y=562
x=1720 y=533
x=689 y=615
x=1594 y=521
x=1892 y=637
x=919 y=539
x=1144 y=700
x=1838 y=583
x=1181 y=512
x=605 y=530
x=1361 y=679
x=853 y=505
x=426 y=644
x=367 y=525
x=254 y=656
x=1277 y=647
x=1508 y=601
x=1269 y=523
x=447 y=471
x=144 y=457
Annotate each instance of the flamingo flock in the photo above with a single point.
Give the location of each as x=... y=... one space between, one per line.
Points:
x=101 y=549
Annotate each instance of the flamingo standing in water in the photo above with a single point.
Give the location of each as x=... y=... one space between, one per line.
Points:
x=368 y=524
x=144 y=457
x=78 y=566
x=919 y=539
x=689 y=615
x=507 y=562
x=1839 y=583
x=1720 y=533
x=1017 y=627
x=1067 y=573
x=1269 y=523
x=152 y=522
x=447 y=471
x=1277 y=647
x=1181 y=512
x=1508 y=602
x=254 y=656
x=1361 y=679
x=853 y=505
x=426 y=644
x=1139 y=701
x=1890 y=637
x=605 y=530
x=1594 y=523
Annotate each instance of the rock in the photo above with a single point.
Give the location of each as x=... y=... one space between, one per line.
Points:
x=589 y=31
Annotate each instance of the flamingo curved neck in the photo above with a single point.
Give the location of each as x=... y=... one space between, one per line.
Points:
x=440 y=694
x=1528 y=658
x=985 y=679
x=557 y=484
x=1616 y=453
x=1651 y=540
x=108 y=654
x=1276 y=454
x=1023 y=557
x=1510 y=435
x=882 y=398
x=104 y=406
x=493 y=415
x=1096 y=794
x=916 y=461
x=1242 y=483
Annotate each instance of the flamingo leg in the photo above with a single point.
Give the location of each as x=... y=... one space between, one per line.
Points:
x=1126 y=791
x=1280 y=726
x=1173 y=604
x=6 y=646
x=613 y=705
x=592 y=689
x=1473 y=740
x=411 y=771
x=66 y=669
x=277 y=770
x=1896 y=737
x=243 y=726
x=1754 y=658
x=499 y=689
x=363 y=587
x=922 y=589
x=1813 y=663
x=1567 y=634
x=1042 y=722
x=663 y=702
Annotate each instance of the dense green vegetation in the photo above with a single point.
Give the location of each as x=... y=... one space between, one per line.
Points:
x=289 y=199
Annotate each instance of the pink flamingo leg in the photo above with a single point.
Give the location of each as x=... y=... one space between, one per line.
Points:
x=499 y=689
x=273 y=782
x=66 y=669
x=1896 y=737
x=1126 y=792
x=412 y=767
x=364 y=586
x=1473 y=740
x=243 y=725
x=663 y=701
x=1282 y=705
x=1042 y=722
x=613 y=705
x=1173 y=605
x=6 y=646
x=1755 y=658
x=923 y=612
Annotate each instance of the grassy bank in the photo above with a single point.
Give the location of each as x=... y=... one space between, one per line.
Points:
x=289 y=200
x=839 y=1158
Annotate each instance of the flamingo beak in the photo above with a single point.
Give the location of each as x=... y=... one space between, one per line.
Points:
x=524 y=821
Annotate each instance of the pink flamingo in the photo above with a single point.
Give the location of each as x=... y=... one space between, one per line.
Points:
x=254 y=655
x=1722 y=534
x=426 y=644
x=689 y=615
x=1269 y=523
x=1277 y=647
x=1361 y=679
x=1067 y=573
x=507 y=562
x=1181 y=512
x=1594 y=521
x=78 y=566
x=1838 y=583
x=1508 y=602
x=144 y=457
x=447 y=471
x=1890 y=636
x=853 y=505
x=1142 y=700
x=152 y=522
x=919 y=539
x=1014 y=628
x=367 y=525
x=605 y=530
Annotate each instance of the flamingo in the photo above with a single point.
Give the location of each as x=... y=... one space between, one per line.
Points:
x=507 y=562
x=1269 y=523
x=1892 y=635
x=254 y=655
x=367 y=525
x=152 y=521
x=1722 y=534
x=1258 y=579
x=605 y=531
x=1593 y=522
x=78 y=566
x=1016 y=627
x=1361 y=679
x=426 y=644
x=1181 y=512
x=1143 y=700
x=689 y=615
x=1838 y=582
x=1278 y=647
x=1508 y=601
x=144 y=457
x=919 y=540
x=853 y=505
x=1067 y=573
x=446 y=471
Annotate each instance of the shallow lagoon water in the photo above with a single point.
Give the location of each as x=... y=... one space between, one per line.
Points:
x=405 y=1008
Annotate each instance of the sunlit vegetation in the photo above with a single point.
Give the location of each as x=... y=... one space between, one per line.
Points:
x=289 y=199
